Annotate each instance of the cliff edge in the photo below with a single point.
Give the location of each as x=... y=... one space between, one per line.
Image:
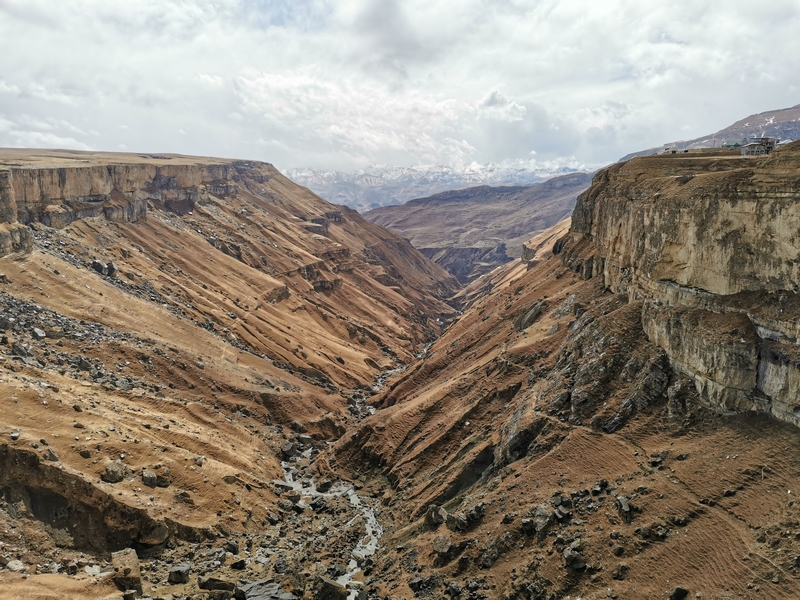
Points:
x=709 y=243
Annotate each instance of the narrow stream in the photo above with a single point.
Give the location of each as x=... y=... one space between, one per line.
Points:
x=367 y=545
x=380 y=380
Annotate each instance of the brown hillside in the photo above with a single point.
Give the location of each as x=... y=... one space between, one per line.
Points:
x=228 y=305
x=599 y=425
x=470 y=232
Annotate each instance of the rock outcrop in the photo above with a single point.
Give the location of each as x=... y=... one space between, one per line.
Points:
x=588 y=398
x=711 y=243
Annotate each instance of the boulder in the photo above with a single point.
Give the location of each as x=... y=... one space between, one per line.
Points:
x=126 y=575
x=116 y=471
x=99 y=267
x=324 y=486
x=573 y=559
x=16 y=566
x=678 y=593
x=215 y=583
x=149 y=478
x=539 y=521
x=156 y=535
x=179 y=573
x=435 y=516
x=327 y=589
x=441 y=544
x=457 y=522
x=624 y=508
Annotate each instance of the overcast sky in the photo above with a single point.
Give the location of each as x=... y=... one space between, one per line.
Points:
x=341 y=84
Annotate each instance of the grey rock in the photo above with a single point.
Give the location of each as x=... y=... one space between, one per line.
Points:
x=215 y=583
x=158 y=534
x=324 y=486
x=327 y=589
x=624 y=507
x=179 y=573
x=435 y=516
x=488 y=558
x=149 y=478
x=116 y=471
x=99 y=267
x=541 y=519
x=441 y=544
x=573 y=559
x=16 y=566
x=262 y=590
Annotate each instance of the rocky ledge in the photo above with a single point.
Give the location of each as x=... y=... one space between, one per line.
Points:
x=709 y=243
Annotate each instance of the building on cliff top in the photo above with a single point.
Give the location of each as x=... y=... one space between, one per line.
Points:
x=759 y=146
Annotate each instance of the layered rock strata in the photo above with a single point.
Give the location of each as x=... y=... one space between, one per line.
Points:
x=710 y=244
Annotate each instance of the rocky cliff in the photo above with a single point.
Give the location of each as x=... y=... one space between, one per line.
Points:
x=584 y=428
x=710 y=243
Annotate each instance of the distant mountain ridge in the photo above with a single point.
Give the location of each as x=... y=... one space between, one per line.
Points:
x=782 y=123
x=386 y=185
x=471 y=231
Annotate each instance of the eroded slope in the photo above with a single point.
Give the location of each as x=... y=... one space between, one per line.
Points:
x=165 y=321
x=569 y=435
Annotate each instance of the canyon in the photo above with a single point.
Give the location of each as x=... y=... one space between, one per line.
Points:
x=267 y=396
x=472 y=231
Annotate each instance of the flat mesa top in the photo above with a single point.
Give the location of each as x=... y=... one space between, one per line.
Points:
x=43 y=158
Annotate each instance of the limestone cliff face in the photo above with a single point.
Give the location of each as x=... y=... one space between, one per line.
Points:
x=56 y=196
x=13 y=236
x=711 y=243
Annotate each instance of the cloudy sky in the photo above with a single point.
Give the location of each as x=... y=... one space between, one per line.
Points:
x=341 y=84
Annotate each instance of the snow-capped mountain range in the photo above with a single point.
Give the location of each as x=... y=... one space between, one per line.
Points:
x=384 y=185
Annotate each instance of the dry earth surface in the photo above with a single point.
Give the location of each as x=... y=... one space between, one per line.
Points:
x=611 y=416
x=568 y=437
x=182 y=327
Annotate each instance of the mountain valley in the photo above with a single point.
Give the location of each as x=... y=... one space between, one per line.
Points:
x=387 y=185
x=469 y=232
x=217 y=384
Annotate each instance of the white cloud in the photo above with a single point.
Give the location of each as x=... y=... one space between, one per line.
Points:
x=344 y=83
x=210 y=81
x=40 y=139
x=496 y=106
